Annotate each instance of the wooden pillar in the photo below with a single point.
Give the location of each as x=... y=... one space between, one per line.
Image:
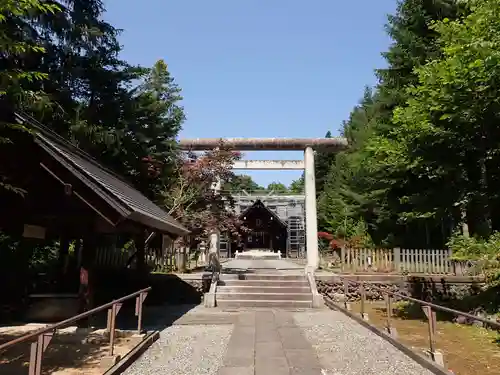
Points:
x=140 y=247
x=62 y=262
x=86 y=292
x=141 y=251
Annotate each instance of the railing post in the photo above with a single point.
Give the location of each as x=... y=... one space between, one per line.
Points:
x=431 y=321
x=342 y=258
x=364 y=315
x=112 y=313
x=431 y=316
x=36 y=354
x=138 y=310
x=346 y=292
x=388 y=303
x=389 y=311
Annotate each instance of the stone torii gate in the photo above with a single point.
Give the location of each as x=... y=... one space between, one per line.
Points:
x=308 y=145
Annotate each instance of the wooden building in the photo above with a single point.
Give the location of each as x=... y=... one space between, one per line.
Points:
x=65 y=195
x=267 y=230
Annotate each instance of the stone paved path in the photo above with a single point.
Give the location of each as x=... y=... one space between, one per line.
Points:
x=271 y=342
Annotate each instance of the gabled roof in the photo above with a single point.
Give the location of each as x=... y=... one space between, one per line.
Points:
x=259 y=204
x=122 y=197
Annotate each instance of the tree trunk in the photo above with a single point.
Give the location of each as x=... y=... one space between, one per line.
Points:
x=465 y=226
x=493 y=176
x=477 y=210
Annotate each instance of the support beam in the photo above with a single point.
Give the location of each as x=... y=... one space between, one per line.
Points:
x=269 y=164
x=311 y=213
x=262 y=144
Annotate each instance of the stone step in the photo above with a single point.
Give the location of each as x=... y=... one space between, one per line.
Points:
x=258 y=257
x=261 y=276
x=263 y=296
x=291 y=304
x=262 y=289
x=265 y=283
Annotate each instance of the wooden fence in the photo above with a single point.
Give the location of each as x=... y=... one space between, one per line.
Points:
x=111 y=257
x=429 y=261
x=157 y=260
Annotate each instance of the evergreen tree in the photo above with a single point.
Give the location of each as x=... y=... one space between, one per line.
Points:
x=376 y=192
x=323 y=161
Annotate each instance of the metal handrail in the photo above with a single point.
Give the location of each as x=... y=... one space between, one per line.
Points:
x=68 y=321
x=490 y=322
x=428 y=308
x=41 y=337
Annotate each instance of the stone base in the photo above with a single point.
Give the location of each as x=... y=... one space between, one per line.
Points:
x=309 y=269
x=392 y=331
x=365 y=317
x=136 y=338
x=209 y=300
x=109 y=361
x=318 y=301
x=436 y=356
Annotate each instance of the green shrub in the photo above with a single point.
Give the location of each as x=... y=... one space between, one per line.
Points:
x=483 y=252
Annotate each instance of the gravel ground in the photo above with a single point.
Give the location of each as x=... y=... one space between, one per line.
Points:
x=185 y=350
x=347 y=348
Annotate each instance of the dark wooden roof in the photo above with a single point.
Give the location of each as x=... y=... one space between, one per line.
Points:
x=122 y=197
x=259 y=204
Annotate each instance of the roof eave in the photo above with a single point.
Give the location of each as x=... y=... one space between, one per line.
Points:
x=159 y=225
x=274 y=214
x=114 y=203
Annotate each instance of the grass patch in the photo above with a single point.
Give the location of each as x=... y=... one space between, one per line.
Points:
x=467 y=349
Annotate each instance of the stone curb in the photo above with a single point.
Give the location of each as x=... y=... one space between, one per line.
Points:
x=420 y=359
x=134 y=354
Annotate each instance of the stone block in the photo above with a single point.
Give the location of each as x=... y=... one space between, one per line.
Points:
x=392 y=331
x=109 y=361
x=436 y=356
x=209 y=300
x=318 y=301
x=137 y=338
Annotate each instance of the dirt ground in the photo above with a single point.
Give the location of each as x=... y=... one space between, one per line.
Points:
x=70 y=352
x=467 y=350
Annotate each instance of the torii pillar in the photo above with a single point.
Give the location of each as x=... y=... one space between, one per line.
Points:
x=311 y=210
x=282 y=144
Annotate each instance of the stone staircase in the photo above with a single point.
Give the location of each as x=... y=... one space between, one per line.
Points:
x=261 y=254
x=263 y=290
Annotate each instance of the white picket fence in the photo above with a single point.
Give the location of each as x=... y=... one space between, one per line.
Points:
x=428 y=261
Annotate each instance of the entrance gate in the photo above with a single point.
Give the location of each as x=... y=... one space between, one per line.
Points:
x=307 y=165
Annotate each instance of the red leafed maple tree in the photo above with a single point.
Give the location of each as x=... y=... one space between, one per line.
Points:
x=333 y=243
x=192 y=199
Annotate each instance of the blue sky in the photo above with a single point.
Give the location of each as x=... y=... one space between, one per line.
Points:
x=260 y=68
